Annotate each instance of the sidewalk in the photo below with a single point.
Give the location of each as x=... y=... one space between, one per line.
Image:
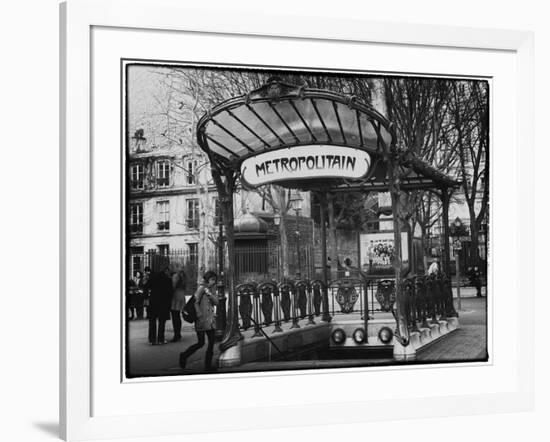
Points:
x=466 y=343
x=162 y=360
x=469 y=292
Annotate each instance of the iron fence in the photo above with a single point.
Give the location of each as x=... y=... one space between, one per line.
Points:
x=155 y=260
x=276 y=307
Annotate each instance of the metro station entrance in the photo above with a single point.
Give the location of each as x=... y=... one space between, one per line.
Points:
x=325 y=143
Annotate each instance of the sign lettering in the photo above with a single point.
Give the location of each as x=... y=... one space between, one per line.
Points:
x=305 y=162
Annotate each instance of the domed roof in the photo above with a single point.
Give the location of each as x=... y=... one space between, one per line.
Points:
x=250 y=224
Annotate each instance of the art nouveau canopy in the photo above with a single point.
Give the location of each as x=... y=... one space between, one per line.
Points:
x=278 y=118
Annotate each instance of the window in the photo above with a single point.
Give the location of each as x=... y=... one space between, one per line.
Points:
x=136 y=218
x=193 y=213
x=193 y=252
x=163 y=215
x=163 y=173
x=191 y=171
x=137 y=176
x=137 y=260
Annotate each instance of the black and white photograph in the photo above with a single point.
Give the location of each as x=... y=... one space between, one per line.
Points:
x=294 y=220
x=284 y=219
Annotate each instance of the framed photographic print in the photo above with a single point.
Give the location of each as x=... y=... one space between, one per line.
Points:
x=279 y=205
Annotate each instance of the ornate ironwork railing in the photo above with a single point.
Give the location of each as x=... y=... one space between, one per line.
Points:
x=281 y=306
x=274 y=308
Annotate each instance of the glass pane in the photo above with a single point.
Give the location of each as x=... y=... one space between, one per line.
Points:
x=348 y=119
x=370 y=138
x=220 y=136
x=275 y=116
x=326 y=110
x=306 y=109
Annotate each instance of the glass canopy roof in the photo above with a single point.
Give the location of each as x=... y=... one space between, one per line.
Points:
x=280 y=115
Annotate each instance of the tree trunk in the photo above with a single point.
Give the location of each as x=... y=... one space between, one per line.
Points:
x=474 y=236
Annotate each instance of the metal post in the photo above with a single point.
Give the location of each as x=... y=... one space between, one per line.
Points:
x=277 y=306
x=323 y=207
x=221 y=316
x=309 y=294
x=294 y=297
x=457 y=259
x=299 y=268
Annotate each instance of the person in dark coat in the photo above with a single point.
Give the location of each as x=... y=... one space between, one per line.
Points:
x=477 y=280
x=160 y=286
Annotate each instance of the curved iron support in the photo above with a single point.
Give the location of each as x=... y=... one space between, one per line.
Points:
x=302 y=288
x=277 y=309
x=267 y=292
x=317 y=287
x=244 y=293
x=286 y=289
x=294 y=305
x=411 y=303
x=422 y=301
x=400 y=314
x=256 y=314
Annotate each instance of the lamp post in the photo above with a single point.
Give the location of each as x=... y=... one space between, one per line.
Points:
x=296 y=205
x=220 y=310
x=457 y=246
x=277 y=222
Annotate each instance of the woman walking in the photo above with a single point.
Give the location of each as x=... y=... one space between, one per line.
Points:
x=178 y=302
x=205 y=324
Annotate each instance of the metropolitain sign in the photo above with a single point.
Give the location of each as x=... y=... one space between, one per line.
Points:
x=305 y=162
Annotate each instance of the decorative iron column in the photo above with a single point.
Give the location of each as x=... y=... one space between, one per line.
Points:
x=224 y=178
x=323 y=207
x=220 y=310
x=400 y=295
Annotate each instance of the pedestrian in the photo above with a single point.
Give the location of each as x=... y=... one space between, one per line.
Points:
x=138 y=295
x=178 y=302
x=477 y=281
x=434 y=269
x=130 y=299
x=145 y=287
x=160 y=299
x=205 y=324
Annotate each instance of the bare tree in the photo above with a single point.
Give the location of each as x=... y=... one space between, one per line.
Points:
x=470 y=141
